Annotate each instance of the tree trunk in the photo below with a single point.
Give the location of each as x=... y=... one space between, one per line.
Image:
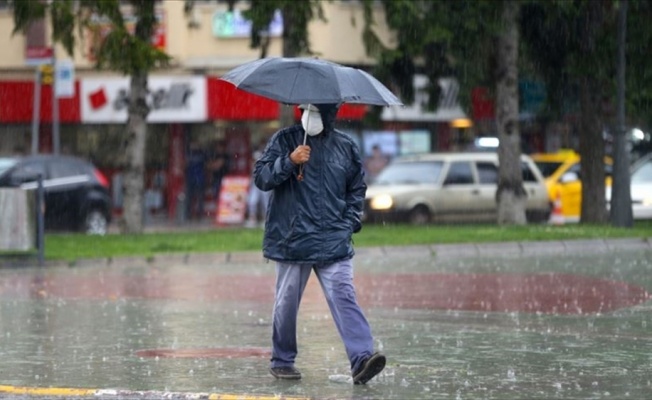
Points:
x=286 y=113
x=135 y=150
x=591 y=143
x=511 y=196
x=591 y=149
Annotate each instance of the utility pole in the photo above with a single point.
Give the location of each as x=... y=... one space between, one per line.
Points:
x=36 y=109
x=621 y=196
x=55 y=104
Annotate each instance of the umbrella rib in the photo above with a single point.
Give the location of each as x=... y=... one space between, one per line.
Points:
x=296 y=78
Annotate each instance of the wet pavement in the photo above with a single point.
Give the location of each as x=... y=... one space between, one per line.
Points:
x=562 y=320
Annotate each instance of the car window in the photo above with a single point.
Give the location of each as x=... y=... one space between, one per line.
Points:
x=63 y=168
x=608 y=169
x=576 y=169
x=528 y=175
x=459 y=173
x=487 y=172
x=548 y=168
x=410 y=172
x=6 y=163
x=643 y=174
x=28 y=172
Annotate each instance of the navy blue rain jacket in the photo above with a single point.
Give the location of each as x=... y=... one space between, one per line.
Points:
x=311 y=221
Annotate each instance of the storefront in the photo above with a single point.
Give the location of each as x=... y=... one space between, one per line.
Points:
x=184 y=109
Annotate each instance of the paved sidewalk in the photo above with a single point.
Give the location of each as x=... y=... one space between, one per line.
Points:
x=566 y=320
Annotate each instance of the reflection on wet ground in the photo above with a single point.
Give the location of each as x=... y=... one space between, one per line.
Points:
x=544 y=326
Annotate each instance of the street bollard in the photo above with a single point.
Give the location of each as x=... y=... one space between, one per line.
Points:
x=180 y=210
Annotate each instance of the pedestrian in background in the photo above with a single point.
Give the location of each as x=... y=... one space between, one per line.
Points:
x=375 y=163
x=316 y=177
x=195 y=180
x=257 y=199
x=218 y=166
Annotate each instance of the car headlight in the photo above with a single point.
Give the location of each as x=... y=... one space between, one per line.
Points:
x=381 y=202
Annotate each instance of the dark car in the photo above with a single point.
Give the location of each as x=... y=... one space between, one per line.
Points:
x=76 y=193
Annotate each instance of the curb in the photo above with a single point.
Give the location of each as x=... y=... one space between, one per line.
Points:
x=443 y=251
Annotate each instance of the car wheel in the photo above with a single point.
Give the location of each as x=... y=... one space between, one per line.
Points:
x=96 y=223
x=420 y=215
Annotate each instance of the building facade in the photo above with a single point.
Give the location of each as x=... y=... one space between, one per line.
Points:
x=188 y=101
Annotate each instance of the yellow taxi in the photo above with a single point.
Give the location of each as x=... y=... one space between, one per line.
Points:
x=562 y=175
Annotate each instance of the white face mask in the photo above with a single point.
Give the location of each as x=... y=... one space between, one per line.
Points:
x=311 y=122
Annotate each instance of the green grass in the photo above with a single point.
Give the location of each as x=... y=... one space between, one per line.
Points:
x=78 y=246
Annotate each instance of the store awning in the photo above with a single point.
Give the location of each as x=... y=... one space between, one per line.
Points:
x=225 y=102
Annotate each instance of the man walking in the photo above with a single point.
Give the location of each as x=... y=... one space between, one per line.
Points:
x=316 y=179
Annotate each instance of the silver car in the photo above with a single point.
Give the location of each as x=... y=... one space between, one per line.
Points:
x=449 y=187
x=640 y=189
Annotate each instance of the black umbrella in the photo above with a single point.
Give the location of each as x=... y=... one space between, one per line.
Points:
x=309 y=81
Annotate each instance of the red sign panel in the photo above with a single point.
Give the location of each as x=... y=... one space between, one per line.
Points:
x=17 y=98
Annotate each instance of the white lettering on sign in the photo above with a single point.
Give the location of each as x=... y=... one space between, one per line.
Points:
x=171 y=99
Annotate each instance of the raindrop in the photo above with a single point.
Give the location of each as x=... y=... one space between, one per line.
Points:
x=511 y=375
x=340 y=378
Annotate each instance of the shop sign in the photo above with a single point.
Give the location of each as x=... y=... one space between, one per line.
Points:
x=64 y=84
x=171 y=99
x=232 y=203
x=38 y=55
x=448 y=107
x=232 y=24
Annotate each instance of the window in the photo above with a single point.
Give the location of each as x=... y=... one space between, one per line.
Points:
x=643 y=174
x=459 y=173
x=62 y=169
x=528 y=175
x=410 y=172
x=548 y=168
x=487 y=172
x=28 y=172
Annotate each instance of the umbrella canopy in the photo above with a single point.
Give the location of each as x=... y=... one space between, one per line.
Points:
x=309 y=80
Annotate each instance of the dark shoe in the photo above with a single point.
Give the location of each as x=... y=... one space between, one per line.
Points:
x=370 y=368
x=285 y=372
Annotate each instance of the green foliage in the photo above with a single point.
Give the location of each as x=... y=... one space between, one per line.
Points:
x=437 y=39
x=638 y=72
x=296 y=16
x=121 y=50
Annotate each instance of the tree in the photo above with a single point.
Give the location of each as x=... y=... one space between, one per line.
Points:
x=572 y=45
x=121 y=50
x=296 y=41
x=511 y=195
x=478 y=43
x=296 y=16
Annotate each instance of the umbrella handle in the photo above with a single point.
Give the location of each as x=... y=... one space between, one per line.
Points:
x=300 y=176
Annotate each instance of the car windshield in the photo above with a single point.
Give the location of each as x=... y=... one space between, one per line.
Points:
x=410 y=173
x=643 y=174
x=548 y=168
x=6 y=163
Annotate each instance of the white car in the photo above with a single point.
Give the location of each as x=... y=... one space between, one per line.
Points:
x=641 y=188
x=449 y=187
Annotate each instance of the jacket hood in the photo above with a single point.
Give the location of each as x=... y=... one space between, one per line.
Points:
x=328 y=115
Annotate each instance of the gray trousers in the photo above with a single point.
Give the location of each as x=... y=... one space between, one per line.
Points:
x=336 y=281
